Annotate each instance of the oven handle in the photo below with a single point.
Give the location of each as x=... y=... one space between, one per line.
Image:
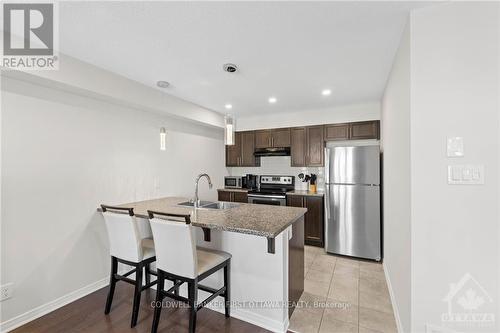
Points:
x=266 y=196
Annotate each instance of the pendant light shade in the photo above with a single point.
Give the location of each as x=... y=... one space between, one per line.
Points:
x=229 y=127
x=163 y=139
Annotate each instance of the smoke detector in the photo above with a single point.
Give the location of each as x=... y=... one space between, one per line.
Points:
x=230 y=68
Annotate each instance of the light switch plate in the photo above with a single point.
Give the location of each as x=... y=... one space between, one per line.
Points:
x=455 y=146
x=465 y=174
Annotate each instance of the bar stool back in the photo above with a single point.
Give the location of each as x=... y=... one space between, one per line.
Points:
x=127 y=246
x=180 y=260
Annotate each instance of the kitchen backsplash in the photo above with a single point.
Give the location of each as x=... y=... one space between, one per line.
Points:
x=280 y=165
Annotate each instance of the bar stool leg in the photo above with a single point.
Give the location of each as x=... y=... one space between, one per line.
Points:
x=227 y=293
x=176 y=290
x=137 y=294
x=112 y=283
x=159 y=299
x=193 y=301
x=147 y=269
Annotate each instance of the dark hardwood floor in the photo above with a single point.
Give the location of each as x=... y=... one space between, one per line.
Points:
x=87 y=315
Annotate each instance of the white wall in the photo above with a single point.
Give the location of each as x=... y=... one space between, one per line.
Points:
x=395 y=143
x=62 y=156
x=348 y=113
x=455 y=82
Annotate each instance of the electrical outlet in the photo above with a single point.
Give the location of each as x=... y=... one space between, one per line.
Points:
x=6 y=291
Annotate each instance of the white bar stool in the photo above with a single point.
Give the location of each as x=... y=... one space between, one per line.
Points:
x=178 y=258
x=128 y=245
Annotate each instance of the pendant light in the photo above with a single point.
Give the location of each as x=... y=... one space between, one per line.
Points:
x=163 y=139
x=229 y=127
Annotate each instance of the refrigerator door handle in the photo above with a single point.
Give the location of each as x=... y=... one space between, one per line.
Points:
x=327 y=215
x=327 y=201
x=327 y=165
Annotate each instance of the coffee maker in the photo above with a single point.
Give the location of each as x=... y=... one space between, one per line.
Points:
x=250 y=182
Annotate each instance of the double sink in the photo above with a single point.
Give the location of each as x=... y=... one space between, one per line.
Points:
x=210 y=204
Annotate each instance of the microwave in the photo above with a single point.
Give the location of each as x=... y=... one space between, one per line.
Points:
x=233 y=182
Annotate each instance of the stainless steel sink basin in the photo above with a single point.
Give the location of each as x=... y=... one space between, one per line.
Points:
x=221 y=205
x=211 y=204
x=191 y=203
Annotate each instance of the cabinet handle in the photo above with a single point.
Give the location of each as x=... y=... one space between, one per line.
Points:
x=272 y=142
x=269 y=142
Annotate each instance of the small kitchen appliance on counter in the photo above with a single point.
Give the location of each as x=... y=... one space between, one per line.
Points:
x=250 y=182
x=233 y=182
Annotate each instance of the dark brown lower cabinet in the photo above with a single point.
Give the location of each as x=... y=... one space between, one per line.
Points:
x=240 y=197
x=232 y=196
x=314 y=218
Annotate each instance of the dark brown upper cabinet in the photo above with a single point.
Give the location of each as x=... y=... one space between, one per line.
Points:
x=298 y=146
x=365 y=130
x=353 y=131
x=233 y=153
x=337 y=132
x=278 y=137
x=315 y=144
x=263 y=139
x=247 y=149
x=307 y=145
x=242 y=152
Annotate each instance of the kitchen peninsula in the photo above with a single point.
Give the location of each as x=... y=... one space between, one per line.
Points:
x=267 y=247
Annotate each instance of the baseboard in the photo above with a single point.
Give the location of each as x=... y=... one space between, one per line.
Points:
x=42 y=310
x=393 y=300
x=255 y=319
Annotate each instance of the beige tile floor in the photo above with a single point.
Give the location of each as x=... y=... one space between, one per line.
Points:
x=342 y=295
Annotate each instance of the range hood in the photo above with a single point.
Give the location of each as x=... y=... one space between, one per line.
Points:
x=281 y=151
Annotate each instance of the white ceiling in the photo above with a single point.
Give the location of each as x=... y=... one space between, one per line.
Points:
x=290 y=50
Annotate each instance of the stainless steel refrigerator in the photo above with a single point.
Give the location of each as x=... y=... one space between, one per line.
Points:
x=352 y=176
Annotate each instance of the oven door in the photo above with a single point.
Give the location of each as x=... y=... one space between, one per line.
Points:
x=275 y=200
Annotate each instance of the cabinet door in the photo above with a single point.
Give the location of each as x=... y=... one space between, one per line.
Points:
x=281 y=137
x=240 y=197
x=298 y=146
x=315 y=146
x=295 y=200
x=337 y=132
x=365 y=130
x=224 y=196
x=233 y=153
x=263 y=139
x=314 y=221
x=247 y=149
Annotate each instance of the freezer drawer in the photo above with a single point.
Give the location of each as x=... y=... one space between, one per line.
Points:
x=353 y=220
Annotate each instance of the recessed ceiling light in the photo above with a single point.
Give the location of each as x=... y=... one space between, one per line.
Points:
x=272 y=100
x=228 y=106
x=230 y=68
x=162 y=84
x=326 y=92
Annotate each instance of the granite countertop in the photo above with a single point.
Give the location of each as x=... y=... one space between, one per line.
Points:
x=306 y=192
x=260 y=220
x=233 y=189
